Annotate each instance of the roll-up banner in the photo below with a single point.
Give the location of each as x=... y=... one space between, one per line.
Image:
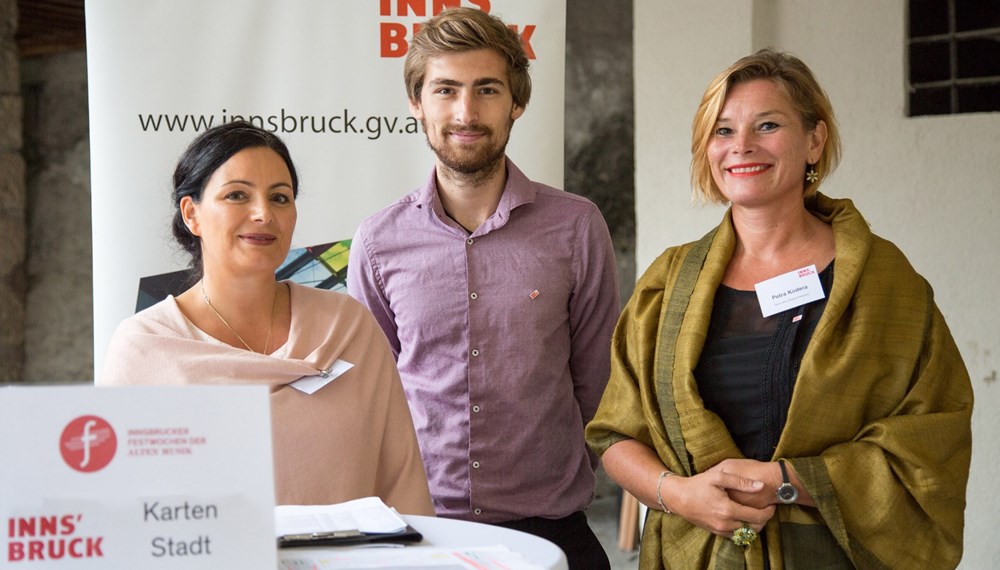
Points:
x=325 y=75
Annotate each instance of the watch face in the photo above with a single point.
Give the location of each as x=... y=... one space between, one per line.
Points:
x=787 y=493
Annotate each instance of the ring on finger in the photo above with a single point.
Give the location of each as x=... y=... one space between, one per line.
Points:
x=744 y=535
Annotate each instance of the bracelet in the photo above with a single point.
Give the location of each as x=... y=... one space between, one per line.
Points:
x=659 y=498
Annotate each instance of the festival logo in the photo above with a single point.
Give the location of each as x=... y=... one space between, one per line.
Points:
x=88 y=444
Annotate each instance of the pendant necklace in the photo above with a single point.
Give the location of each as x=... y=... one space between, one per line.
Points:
x=274 y=305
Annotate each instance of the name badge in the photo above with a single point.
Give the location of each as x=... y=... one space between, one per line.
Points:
x=793 y=289
x=310 y=384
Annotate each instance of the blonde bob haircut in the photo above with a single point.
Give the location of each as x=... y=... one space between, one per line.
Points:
x=466 y=29
x=791 y=76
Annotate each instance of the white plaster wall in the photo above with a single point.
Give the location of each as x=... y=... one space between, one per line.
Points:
x=928 y=184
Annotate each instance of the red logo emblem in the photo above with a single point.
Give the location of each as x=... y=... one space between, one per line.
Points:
x=88 y=444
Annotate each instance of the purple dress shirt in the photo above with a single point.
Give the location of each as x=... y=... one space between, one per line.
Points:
x=502 y=338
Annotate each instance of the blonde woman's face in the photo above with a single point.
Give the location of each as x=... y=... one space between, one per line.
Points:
x=759 y=147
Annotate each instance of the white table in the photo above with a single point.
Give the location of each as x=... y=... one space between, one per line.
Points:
x=450 y=533
x=441 y=532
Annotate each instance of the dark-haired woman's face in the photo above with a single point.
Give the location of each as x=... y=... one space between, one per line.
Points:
x=247 y=214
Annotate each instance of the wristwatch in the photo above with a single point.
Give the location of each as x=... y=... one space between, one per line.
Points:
x=787 y=493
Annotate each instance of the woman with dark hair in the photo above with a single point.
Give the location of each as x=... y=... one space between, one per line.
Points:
x=784 y=392
x=235 y=191
x=200 y=161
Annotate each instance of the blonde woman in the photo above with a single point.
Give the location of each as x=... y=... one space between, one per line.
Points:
x=833 y=432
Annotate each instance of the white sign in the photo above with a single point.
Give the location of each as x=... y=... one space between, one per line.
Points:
x=137 y=477
x=790 y=290
x=326 y=76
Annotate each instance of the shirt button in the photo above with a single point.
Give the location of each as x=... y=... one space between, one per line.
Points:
x=469 y=241
x=475 y=352
x=475 y=465
x=478 y=512
x=476 y=409
x=474 y=296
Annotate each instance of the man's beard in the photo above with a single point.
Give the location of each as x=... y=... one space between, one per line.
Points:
x=465 y=160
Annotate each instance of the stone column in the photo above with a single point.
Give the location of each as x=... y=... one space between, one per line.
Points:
x=12 y=202
x=600 y=120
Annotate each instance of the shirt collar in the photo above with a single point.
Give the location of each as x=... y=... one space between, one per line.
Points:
x=518 y=190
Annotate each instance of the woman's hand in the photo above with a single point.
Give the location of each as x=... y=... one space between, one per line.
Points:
x=767 y=472
x=704 y=500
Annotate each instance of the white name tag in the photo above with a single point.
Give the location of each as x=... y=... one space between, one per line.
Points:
x=793 y=289
x=310 y=384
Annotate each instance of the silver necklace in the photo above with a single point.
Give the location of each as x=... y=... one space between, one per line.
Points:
x=274 y=305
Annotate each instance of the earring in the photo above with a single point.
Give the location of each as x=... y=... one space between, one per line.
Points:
x=811 y=175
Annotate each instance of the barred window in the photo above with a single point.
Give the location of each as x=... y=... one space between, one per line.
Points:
x=954 y=57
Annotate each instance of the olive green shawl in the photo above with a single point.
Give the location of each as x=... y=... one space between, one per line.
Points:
x=878 y=426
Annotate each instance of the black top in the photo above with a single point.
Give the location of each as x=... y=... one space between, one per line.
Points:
x=748 y=366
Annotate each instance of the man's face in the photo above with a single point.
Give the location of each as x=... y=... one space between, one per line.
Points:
x=467 y=109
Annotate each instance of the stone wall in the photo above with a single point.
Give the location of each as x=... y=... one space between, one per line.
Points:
x=12 y=203
x=59 y=343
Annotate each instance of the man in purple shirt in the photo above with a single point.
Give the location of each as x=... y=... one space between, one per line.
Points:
x=498 y=296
